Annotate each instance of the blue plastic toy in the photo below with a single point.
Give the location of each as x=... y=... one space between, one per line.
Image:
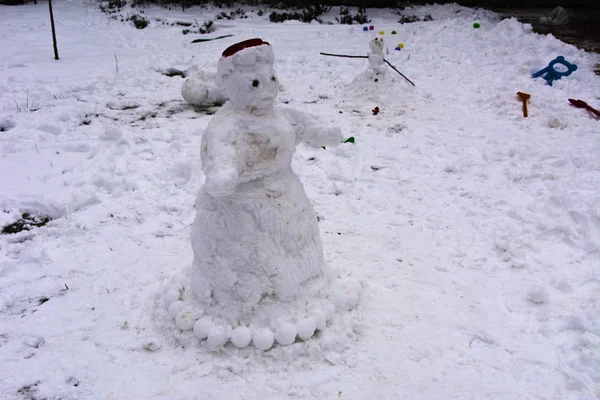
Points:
x=365 y=28
x=551 y=74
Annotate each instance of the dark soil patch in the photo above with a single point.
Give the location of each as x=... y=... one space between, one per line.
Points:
x=171 y=72
x=26 y=223
x=29 y=392
x=6 y=125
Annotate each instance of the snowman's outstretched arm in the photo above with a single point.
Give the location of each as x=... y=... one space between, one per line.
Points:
x=313 y=131
x=221 y=167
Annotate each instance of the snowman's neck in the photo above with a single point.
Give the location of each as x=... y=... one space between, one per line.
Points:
x=254 y=111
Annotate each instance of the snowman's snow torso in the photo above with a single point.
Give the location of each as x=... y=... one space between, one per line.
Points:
x=267 y=144
x=263 y=239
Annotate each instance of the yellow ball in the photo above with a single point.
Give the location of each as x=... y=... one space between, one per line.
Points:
x=381 y=32
x=401 y=45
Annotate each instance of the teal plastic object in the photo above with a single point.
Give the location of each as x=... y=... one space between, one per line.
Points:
x=551 y=74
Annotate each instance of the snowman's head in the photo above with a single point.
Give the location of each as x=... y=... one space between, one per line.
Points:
x=376 y=45
x=248 y=75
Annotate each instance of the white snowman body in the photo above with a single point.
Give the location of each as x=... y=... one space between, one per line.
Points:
x=375 y=55
x=256 y=234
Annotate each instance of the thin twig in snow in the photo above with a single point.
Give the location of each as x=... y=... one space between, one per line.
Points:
x=342 y=55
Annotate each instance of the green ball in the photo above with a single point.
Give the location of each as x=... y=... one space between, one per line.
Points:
x=476 y=25
x=393 y=32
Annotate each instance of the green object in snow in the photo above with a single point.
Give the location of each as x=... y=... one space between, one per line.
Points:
x=476 y=25
x=349 y=140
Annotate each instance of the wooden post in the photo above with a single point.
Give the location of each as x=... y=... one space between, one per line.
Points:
x=53 y=31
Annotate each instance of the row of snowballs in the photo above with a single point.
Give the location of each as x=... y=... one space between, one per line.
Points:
x=217 y=332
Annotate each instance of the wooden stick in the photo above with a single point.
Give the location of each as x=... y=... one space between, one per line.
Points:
x=388 y=63
x=583 y=104
x=342 y=55
x=524 y=97
x=53 y=31
x=394 y=68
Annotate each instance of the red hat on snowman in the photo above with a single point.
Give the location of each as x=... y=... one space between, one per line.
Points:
x=245 y=56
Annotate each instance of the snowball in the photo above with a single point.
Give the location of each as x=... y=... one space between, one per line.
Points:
x=285 y=334
x=217 y=337
x=306 y=328
x=179 y=279
x=558 y=122
x=241 y=337
x=202 y=327
x=34 y=341
x=111 y=133
x=55 y=130
x=320 y=320
x=352 y=298
x=338 y=298
x=537 y=295
x=185 y=321
x=575 y=323
x=175 y=308
x=171 y=296
x=169 y=287
x=152 y=344
x=263 y=339
x=329 y=311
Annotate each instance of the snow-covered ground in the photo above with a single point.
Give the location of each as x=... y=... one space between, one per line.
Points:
x=475 y=231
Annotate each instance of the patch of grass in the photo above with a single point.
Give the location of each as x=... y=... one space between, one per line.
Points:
x=408 y=19
x=307 y=15
x=145 y=116
x=26 y=223
x=207 y=27
x=138 y=21
x=113 y=6
x=347 y=18
x=29 y=391
x=239 y=13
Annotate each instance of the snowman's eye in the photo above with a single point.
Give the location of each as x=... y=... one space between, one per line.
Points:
x=255 y=83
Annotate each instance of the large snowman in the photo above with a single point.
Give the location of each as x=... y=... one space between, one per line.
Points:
x=258 y=272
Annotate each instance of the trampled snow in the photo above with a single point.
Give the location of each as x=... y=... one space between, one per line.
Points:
x=474 y=231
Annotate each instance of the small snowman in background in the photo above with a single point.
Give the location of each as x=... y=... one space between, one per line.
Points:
x=258 y=273
x=375 y=57
x=203 y=87
x=376 y=86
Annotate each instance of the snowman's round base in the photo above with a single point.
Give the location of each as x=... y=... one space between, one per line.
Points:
x=380 y=87
x=269 y=322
